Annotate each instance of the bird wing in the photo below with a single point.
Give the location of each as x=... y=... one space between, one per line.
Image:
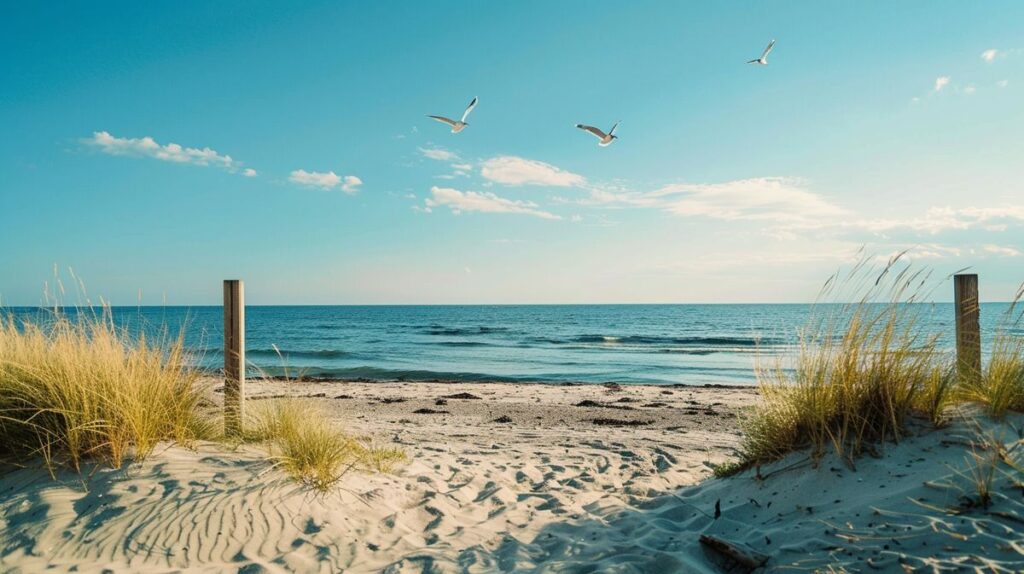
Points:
x=444 y=120
x=469 y=108
x=600 y=134
x=768 y=49
x=612 y=131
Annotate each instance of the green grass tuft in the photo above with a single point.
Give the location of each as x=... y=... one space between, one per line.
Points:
x=307 y=445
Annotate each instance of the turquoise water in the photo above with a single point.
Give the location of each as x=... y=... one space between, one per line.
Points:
x=689 y=344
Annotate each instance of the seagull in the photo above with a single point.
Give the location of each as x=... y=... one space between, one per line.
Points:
x=457 y=126
x=763 y=60
x=606 y=139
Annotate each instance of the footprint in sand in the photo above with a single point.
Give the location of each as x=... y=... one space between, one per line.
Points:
x=436 y=521
x=488 y=491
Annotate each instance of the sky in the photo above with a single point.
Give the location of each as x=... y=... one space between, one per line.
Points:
x=154 y=149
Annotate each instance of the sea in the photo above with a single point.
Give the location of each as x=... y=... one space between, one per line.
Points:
x=659 y=344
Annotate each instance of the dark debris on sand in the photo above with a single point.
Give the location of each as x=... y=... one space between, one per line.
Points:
x=619 y=422
x=465 y=396
x=598 y=404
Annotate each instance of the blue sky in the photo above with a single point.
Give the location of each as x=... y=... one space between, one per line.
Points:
x=289 y=145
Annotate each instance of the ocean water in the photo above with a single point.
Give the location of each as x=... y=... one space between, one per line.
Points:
x=688 y=344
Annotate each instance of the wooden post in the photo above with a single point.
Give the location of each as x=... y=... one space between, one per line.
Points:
x=234 y=356
x=968 y=328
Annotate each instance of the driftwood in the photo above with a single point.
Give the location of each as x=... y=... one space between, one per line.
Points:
x=745 y=557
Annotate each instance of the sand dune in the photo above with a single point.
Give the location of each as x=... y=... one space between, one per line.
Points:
x=555 y=493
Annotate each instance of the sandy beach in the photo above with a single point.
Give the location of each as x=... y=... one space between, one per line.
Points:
x=512 y=478
x=492 y=467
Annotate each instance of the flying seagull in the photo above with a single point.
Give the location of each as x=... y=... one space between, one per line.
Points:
x=763 y=60
x=606 y=139
x=457 y=126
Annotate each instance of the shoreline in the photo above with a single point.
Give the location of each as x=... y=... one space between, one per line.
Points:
x=397 y=406
x=213 y=374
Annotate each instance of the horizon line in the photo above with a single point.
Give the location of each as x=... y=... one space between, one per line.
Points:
x=3 y=307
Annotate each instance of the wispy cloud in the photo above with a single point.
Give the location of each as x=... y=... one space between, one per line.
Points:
x=513 y=170
x=778 y=199
x=785 y=208
x=941 y=82
x=1003 y=83
x=326 y=180
x=484 y=202
x=1002 y=250
x=249 y=172
x=172 y=152
x=990 y=55
x=941 y=219
x=769 y=199
x=438 y=154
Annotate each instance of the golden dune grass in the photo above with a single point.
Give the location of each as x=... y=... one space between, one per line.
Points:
x=82 y=389
x=71 y=390
x=861 y=370
x=1001 y=386
x=308 y=446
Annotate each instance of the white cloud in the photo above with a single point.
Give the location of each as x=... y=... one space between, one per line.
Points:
x=148 y=147
x=989 y=55
x=326 y=180
x=462 y=167
x=1001 y=250
x=351 y=184
x=484 y=202
x=788 y=210
x=513 y=170
x=249 y=172
x=439 y=154
x=935 y=220
x=777 y=199
x=970 y=89
x=315 y=178
x=941 y=82
x=1003 y=83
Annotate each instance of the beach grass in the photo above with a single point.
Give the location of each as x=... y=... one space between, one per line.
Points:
x=76 y=389
x=308 y=446
x=861 y=369
x=1001 y=384
x=82 y=389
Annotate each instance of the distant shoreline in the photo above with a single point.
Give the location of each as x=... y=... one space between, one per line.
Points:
x=215 y=374
x=307 y=305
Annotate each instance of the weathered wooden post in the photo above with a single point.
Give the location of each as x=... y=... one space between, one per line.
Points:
x=234 y=356
x=968 y=328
